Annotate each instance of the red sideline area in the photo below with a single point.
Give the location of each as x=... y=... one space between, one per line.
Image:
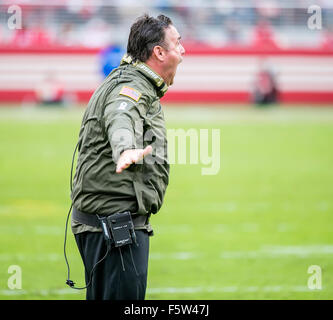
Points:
x=18 y=95
x=244 y=97
x=190 y=97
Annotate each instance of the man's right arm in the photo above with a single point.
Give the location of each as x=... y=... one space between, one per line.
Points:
x=129 y=157
x=121 y=119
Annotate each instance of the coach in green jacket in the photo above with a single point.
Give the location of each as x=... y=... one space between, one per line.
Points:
x=122 y=163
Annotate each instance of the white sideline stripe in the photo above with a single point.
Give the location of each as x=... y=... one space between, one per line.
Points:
x=175 y=256
x=42 y=292
x=280 y=251
x=181 y=228
x=229 y=289
x=53 y=257
x=266 y=251
x=170 y=290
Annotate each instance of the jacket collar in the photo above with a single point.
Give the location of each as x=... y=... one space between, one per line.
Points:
x=155 y=78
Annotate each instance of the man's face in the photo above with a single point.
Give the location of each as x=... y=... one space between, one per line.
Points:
x=174 y=52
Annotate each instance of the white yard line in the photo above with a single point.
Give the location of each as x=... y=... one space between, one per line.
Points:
x=266 y=251
x=272 y=251
x=244 y=289
x=170 y=290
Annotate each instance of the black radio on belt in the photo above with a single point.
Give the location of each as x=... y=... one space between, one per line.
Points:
x=119 y=227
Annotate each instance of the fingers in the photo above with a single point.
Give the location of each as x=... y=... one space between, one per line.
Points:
x=147 y=150
x=132 y=156
x=122 y=165
x=125 y=160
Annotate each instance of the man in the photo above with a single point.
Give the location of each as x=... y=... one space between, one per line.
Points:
x=123 y=124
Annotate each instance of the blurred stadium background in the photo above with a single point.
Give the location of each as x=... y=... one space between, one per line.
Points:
x=69 y=45
x=253 y=69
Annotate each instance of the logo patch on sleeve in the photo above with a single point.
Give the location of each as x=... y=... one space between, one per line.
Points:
x=131 y=93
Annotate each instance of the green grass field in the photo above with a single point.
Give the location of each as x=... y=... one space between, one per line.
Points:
x=249 y=232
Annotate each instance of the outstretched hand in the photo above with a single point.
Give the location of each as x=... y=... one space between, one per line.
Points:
x=132 y=156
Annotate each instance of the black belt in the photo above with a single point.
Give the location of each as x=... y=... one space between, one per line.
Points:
x=93 y=221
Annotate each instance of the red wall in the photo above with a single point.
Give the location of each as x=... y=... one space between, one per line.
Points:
x=207 y=75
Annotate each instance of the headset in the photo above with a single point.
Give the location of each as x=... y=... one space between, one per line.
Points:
x=69 y=282
x=110 y=226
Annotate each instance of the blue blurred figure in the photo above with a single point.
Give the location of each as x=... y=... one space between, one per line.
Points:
x=110 y=58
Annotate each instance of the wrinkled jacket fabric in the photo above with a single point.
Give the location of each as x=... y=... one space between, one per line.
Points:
x=123 y=113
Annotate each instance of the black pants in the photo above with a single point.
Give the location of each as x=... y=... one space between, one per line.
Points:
x=109 y=280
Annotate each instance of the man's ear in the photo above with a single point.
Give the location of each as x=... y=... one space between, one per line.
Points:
x=159 y=53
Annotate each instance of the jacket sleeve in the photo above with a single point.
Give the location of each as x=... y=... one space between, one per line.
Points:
x=124 y=123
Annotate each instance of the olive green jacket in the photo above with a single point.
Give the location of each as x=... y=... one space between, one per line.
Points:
x=123 y=113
